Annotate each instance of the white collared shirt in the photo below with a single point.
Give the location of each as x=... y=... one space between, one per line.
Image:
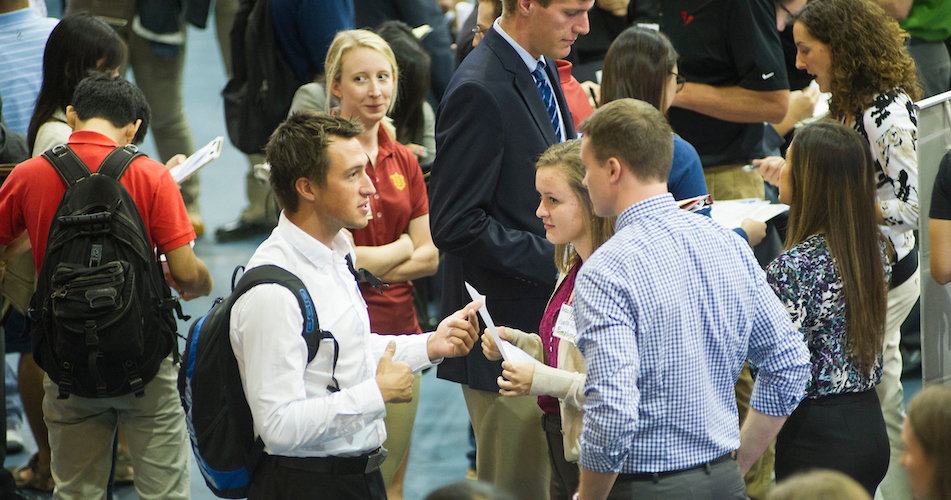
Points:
x=531 y=63
x=294 y=412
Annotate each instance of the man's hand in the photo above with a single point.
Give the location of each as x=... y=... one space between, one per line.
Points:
x=516 y=379
x=755 y=230
x=615 y=7
x=394 y=378
x=455 y=334
x=770 y=168
x=489 y=349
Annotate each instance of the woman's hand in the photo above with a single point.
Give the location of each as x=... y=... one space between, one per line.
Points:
x=770 y=168
x=516 y=379
x=489 y=348
x=419 y=151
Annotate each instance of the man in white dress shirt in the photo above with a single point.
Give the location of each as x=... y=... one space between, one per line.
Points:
x=322 y=422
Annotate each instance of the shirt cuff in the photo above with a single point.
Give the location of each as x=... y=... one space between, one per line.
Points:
x=771 y=397
x=416 y=353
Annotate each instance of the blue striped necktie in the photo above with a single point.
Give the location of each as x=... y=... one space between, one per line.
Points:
x=542 y=83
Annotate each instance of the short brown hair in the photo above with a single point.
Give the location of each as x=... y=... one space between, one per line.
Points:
x=298 y=148
x=929 y=415
x=509 y=6
x=634 y=132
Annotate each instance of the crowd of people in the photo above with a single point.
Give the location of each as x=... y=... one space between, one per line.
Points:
x=564 y=169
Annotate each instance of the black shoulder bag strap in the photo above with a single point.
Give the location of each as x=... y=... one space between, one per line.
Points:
x=118 y=160
x=311 y=330
x=67 y=164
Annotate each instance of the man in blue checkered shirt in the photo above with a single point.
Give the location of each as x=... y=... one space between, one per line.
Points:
x=667 y=312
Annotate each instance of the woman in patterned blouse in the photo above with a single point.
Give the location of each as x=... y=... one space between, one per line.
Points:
x=832 y=280
x=857 y=52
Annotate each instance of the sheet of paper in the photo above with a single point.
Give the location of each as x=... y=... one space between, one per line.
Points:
x=509 y=351
x=730 y=213
x=198 y=160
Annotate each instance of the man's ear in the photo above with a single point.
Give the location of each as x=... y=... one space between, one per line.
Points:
x=615 y=169
x=524 y=7
x=71 y=117
x=306 y=189
x=130 y=130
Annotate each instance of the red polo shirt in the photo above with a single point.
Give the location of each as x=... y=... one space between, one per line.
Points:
x=400 y=197
x=32 y=193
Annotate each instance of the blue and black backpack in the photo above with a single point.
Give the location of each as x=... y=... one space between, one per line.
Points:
x=216 y=410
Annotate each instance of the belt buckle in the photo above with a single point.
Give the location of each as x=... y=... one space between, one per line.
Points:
x=375 y=460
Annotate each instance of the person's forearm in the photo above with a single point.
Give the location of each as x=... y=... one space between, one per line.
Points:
x=939 y=245
x=758 y=431
x=595 y=485
x=423 y=262
x=734 y=104
x=380 y=260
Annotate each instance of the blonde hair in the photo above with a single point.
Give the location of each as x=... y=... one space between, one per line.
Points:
x=566 y=157
x=344 y=42
x=819 y=484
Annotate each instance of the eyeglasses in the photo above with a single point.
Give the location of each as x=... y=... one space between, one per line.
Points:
x=479 y=30
x=680 y=81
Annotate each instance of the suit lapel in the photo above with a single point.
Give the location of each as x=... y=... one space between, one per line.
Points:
x=524 y=83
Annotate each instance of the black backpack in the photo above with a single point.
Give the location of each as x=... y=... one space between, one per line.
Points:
x=216 y=410
x=102 y=311
x=258 y=96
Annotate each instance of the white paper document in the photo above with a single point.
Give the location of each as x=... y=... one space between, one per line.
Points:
x=509 y=351
x=730 y=213
x=198 y=160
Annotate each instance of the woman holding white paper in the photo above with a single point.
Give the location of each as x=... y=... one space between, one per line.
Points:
x=565 y=209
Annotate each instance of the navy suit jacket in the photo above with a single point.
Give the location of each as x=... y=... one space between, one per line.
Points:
x=491 y=127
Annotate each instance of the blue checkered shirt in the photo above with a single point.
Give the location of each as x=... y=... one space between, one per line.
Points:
x=667 y=311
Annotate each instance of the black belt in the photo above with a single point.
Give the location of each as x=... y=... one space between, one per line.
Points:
x=656 y=476
x=904 y=268
x=337 y=466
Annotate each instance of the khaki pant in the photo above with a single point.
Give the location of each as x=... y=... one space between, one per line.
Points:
x=730 y=182
x=82 y=430
x=399 y=421
x=511 y=451
x=760 y=475
x=890 y=391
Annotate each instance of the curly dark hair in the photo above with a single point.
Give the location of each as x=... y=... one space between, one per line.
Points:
x=868 y=52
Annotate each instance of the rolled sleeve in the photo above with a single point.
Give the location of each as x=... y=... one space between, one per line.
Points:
x=781 y=356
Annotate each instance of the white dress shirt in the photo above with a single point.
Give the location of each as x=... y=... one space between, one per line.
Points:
x=294 y=412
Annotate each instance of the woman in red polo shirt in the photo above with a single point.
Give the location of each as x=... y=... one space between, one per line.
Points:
x=396 y=245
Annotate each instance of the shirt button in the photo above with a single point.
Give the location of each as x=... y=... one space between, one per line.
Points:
x=376 y=196
x=379 y=214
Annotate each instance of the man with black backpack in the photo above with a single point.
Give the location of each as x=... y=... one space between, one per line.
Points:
x=321 y=421
x=103 y=326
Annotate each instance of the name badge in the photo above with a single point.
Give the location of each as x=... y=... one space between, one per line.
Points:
x=565 y=326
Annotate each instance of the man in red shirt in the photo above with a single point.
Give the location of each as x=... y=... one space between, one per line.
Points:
x=104 y=115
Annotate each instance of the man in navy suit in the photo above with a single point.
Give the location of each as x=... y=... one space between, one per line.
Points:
x=503 y=108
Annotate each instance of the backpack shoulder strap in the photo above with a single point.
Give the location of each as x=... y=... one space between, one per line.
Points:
x=277 y=275
x=117 y=161
x=67 y=164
